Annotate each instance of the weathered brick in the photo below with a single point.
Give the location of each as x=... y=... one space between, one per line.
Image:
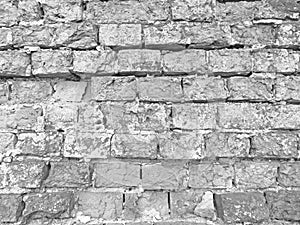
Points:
x=250 y=88
x=127 y=11
x=141 y=145
x=220 y=144
x=6 y=38
x=9 y=13
x=105 y=206
x=29 y=11
x=7 y=144
x=288 y=35
x=250 y=174
x=48 y=205
x=87 y=144
x=285 y=117
x=120 y=35
x=14 y=63
x=289 y=174
x=70 y=91
x=208 y=175
x=230 y=61
x=117 y=174
x=194 y=116
x=95 y=62
x=284 y=205
x=68 y=174
x=164 y=175
x=277 y=145
x=242 y=207
x=198 y=88
x=180 y=145
x=9 y=204
x=275 y=60
x=4 y=92
x=147 y=206
x=159 y=89
x=114 y=88
x=186 y=62
x=287 y=88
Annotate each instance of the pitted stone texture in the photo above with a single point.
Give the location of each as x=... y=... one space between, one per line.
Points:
x=180 y=145
x=6 y=38
x=9 y=205
x=194 y=116
x=29 y=11
x=288 y=35
x=289 y=174
x=79 y=144
x=52 y=63
x=277 y=145
x=285 y=117
x=276 y=60
x=14 y=63
x=160 y=89
x=186 y=61
x=242 y=207
x=114 y=88
x=200 y=88
x=140 y=145
x=147 y=206
x=209 y=175
x=250 y=174
x=70 y=91
x=284 y=205
x=132 y=11
x=9 y=13
x=250 y=88
x=287 y=88
x=7 y=144
x=48 y=205
x=164 y=175
x=105 y=206
x=4 y=92
x=230 y=61
x=117 y=174
x=221 y=144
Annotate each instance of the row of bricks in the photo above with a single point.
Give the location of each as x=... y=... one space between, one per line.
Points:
x=165 y=175
x=146 y=11
x=232 y=207
x=167 y=145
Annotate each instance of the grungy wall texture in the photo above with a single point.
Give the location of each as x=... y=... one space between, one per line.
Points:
x=149 y=112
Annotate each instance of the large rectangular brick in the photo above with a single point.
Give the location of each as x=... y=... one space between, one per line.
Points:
x=209 y=175
x=117 y=174
x=164 y=175
x=287 y=88
x=14 y=63
x=240 y=207
x=289 y=174
x=70 y=91
x=9 y=13
x=10 y=204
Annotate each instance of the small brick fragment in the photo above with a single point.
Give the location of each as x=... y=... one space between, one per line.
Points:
x=4 y=92
x=9 y=204
x=287 y=89
x=14 y=63
x=7 y=144
x=70 y=91
x=6 y=38
x=289 y=174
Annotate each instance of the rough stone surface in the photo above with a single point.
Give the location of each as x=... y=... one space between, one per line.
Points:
x=9 y=207
x=289 y=175
x=70 y=91
x=14 y=63
x=287 y=89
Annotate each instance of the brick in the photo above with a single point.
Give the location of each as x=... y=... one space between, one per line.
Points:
x=14 y=63
x=284 y=205
x=30 y=91
x=250 y=88
x=221 y=144
x=127 y=11
x=207 y=175
x=9 y=204
x=120 y=35
x=242 y=207
x=70 y=91
x=193 y=10
x=289 y=174
x=29 y=11
x=52 y=62
x=68 y=174
x=117 y=174
x=79 y=144
x=186 y=62
x=49 y=205
x=147 y=206
x=159 y=89
x=6 y=38
x=288 y=35
x=4 y=92
x=275 y=60
x=285 y=117
x=7 y=144
x=198 y=88
x=230 y=61
x=139 y=61
x=180 y=145
x=141 y=145
x=274 y=145
x=106 y=205
x=9 y=13
x=114 y=88
x=250 y=174
x=287 y=89
x=164 y=175
x=95 y=62
x=194 y=116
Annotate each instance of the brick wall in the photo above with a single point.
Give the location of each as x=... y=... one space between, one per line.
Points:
x=149 y=112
